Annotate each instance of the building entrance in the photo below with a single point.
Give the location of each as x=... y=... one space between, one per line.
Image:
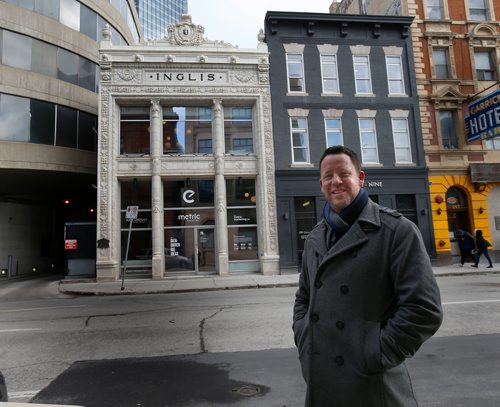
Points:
x=190 y=249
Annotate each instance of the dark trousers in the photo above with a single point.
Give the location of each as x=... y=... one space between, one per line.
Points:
x=478 y=255
x=466 y=254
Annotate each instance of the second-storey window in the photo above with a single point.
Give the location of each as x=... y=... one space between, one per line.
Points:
x=300 y=140
x=238 y=133
x=448 y=129
x=368 y=139
x=362 y=75
x=184 y=127
x=333 y=129
x=401 y=137
x=134 y=130
x=295 y=68
x=434 y=9
x=329 y=73
x=478 y=10
x=485 y=69
x=441 y=59
x=395 y=75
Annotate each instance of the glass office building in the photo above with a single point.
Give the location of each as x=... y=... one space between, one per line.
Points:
x=157 y=15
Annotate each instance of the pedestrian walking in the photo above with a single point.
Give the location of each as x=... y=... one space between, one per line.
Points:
x=466 y=243
x=482 y=248
x=367 y=296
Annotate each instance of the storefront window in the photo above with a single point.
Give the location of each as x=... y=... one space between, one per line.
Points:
x=187 y=130
x=134 y=130
x=238 y=133
x=189 y=225
x=241 y=219
x=137 y=193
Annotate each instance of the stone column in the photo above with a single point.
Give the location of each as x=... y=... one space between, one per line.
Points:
x=156 y=191
x=222 y=259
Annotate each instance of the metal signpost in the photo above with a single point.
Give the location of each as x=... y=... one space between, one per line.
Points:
x=130 y=216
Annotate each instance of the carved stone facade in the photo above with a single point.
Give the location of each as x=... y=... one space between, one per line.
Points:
x=185 y=70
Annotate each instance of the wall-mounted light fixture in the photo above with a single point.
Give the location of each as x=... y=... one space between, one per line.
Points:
x=188 y=182
x=285 y=216
x=439 y=211
x=441 y=243
x=481 y=210
x=439 y=199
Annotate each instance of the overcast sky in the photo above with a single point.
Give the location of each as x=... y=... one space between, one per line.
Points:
x=238 y=21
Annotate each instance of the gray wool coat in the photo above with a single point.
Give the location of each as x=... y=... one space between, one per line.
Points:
x=362 y=308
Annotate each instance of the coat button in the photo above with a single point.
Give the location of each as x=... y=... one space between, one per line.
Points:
x=339 y=360
x=344 y=289
x=314 y=317
x=318 y=284
x=340 y=325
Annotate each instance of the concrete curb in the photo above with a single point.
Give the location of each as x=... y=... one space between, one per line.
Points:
x=212 y=283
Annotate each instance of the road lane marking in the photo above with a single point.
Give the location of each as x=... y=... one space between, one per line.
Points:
x=39 y=308
x=469 y=302
x=27 y=394
x=20 y=330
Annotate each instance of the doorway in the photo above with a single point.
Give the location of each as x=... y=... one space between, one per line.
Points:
x=190 y=250
x=458 y=216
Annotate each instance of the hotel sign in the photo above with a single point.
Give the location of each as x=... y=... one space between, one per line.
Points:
x=185 y=77
x=483 y=121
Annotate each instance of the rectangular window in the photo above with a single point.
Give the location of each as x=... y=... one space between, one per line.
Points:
x=401 y=136
x=241 y=220
x=300 y=140
x=448 y=130
x=86 y=74
x=67 y=66
x=16 y=50
x=88 y=22
x=492 y=144
x=362 y=74
x=441 y=63
x=333 y=129
x=184 y=128
x=70 y=14
x=485 y=69
x=66 y=129
x=406 y=205
x=44 y=58
x=14 y=118
x=329 y=73
x=368 y=138
x=87 y=131
x=134 y=130
x=238 y=131
x=434 y=9
x=394 y=67
x=295 y=68
x=42 y=122
x=47 y=8
x=478 y=10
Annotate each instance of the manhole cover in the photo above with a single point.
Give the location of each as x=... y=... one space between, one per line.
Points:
x=246 y=390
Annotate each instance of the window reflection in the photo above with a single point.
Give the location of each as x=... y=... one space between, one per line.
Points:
x=32 y=120
x=16 y=50
x=187 y=130
x=14 y=118
x=238 y=133
x=134 y=130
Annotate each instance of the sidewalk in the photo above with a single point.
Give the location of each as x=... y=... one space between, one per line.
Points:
x=176 y=284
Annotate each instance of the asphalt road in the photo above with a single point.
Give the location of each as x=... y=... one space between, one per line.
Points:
x=217 y=348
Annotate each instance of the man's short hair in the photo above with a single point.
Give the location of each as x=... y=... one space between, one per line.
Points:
x=342 y=150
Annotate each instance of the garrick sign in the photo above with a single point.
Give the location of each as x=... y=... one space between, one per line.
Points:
x=483 y=121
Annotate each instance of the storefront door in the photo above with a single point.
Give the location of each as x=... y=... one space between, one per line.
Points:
x=190 y=249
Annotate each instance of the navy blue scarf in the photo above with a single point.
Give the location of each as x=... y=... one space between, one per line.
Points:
x=340 y=223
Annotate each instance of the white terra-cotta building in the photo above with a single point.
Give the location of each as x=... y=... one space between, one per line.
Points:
x=185 y=135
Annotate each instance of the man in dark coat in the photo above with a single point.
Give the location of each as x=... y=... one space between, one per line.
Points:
x=367 y=296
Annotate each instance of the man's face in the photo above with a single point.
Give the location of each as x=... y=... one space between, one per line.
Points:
x=340 y=181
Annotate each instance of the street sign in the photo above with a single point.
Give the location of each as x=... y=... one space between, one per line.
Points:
x=132 y=212
x=70 y=244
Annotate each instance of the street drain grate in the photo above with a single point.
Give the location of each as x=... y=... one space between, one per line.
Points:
x=246 y=390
